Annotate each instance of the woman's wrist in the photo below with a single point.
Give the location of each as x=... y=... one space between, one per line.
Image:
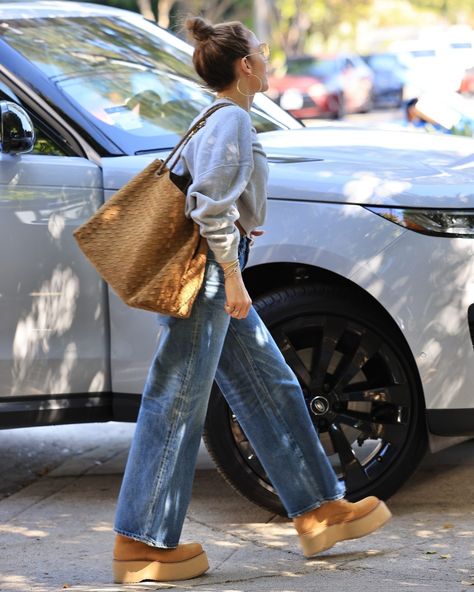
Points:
x=231 y=269
x=233 y=278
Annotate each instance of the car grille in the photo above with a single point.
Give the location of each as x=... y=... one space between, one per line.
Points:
x=470 y=320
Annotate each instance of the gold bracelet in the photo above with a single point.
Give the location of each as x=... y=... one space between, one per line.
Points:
x=231 y=264
x=231 y=272
x=231 y=269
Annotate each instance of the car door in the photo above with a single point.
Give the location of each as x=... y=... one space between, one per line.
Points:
x=53 y=313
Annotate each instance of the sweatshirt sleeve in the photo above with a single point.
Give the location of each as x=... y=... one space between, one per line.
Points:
x=220 y=160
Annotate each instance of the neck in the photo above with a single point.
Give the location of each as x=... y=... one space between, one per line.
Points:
x=235 y=96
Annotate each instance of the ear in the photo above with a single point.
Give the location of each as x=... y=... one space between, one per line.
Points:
x=245 y=66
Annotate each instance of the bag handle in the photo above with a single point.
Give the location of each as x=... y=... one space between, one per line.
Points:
x=187 y=136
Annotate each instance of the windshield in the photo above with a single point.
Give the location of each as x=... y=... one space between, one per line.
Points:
x=313 y=67
x=383 y=61
x=135 y=82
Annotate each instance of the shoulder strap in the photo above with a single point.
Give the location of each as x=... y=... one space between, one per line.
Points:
x=188 y=135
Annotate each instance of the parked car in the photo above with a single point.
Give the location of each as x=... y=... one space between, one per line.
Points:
x=429 y=67
x=467 y=82
x=389 y=79
x=365 y=274
x=326 y=86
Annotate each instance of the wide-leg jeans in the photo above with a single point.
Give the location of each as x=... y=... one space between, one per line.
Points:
x=260 y=388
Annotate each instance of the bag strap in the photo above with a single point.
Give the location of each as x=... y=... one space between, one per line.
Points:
x=187 y=136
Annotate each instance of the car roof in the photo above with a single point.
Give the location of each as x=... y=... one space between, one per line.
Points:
x=309 y=58
x=325 y=57
x=51 y=8
x=43 y=8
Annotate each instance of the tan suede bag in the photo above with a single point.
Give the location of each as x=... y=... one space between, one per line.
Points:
x=141 y=242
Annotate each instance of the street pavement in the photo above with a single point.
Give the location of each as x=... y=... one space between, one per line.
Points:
x=56 y=531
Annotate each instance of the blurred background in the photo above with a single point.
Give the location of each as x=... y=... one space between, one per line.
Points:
x=401 y=62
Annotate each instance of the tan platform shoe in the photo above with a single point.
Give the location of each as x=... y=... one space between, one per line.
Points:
x=135 y=561
x=339 y=520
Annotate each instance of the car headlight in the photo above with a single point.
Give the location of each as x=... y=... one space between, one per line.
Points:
x=291 y=100
x=450 y=223
x=317 y=90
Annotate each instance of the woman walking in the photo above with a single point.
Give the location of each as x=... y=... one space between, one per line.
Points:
x=224 y=339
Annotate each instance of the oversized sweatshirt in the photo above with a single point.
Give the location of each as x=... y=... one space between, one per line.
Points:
x=229 y=173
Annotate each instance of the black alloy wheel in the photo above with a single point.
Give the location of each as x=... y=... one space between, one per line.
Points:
x=360 y=387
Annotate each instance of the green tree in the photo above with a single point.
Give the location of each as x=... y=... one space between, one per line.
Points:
x=295 y=22
x=169 y=13
x=451 y=10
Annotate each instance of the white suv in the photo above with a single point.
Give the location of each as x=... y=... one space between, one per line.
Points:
x=364 y=276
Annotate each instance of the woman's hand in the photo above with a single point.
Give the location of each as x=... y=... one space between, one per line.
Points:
x=238 y=301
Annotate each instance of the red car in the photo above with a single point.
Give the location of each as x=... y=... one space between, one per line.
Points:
x=467 y=83
x=328 y=86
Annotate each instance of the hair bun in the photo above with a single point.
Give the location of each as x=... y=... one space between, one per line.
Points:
x=198 y=28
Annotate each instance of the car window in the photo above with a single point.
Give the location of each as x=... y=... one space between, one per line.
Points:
x=141 y=90
x=423 y=53
x=44 y=142
x=461 y=45
x=312 y=67
x=382 y=61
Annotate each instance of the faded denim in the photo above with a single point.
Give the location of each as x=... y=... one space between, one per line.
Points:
x=262 y=392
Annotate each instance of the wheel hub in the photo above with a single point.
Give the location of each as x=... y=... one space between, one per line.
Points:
x=319 y=405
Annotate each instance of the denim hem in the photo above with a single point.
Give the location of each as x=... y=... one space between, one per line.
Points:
x=144 y=539
x=316 y=505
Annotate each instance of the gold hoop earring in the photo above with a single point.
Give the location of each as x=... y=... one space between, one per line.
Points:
x=251 y=95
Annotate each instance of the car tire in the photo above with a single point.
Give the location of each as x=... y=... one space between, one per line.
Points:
x=368 y=105
x=375 y=434
x=399 y=103
x=340 y=109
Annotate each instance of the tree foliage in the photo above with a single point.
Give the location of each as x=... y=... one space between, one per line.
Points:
x=445 y=7
x=292 y=26
x=169 y=13
x=295 y=21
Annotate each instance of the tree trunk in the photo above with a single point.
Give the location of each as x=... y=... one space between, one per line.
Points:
x=262 y=20
x=164 y=9
x=144 y=6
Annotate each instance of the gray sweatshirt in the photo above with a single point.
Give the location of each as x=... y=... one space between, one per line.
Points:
x=229 y=173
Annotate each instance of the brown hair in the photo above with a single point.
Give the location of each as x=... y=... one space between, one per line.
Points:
x=216 y=49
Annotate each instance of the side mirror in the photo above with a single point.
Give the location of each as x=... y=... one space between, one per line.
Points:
x=17 y=134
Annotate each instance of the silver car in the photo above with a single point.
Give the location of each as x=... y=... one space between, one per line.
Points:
x=364 y=276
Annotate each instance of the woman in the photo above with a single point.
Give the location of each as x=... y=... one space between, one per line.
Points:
x=224 y=339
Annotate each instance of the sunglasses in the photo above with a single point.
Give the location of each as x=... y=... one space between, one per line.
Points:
x=263 y=50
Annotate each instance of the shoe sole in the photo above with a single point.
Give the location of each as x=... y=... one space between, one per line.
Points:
x=315 y=543
x=132 y=572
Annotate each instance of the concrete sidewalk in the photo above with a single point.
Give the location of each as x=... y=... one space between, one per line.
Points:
x=57 y=534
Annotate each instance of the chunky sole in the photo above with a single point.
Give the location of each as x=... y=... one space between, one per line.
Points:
x=131 y=572
x=315 y=543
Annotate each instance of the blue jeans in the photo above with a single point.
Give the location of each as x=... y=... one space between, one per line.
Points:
x=262 y=392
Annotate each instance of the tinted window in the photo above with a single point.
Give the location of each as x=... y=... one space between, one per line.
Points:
x=461 y=45
x=137 y=86
x=313 y=67
x=382 y=61
x=423 y=53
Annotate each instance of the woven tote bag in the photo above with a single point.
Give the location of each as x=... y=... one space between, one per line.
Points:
x=141 y=242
